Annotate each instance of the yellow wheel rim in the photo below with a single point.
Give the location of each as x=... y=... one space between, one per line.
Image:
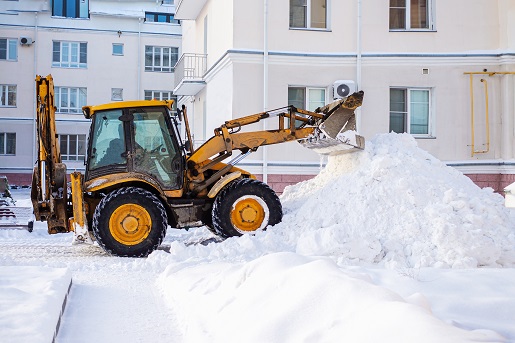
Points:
x=249 y=213
x=130 y=224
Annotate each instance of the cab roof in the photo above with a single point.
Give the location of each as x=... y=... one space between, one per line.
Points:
x=89 y=111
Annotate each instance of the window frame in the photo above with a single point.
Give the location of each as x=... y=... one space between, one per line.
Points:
x=308 y=24
x=306 y=101
x=307 y=90
x=431 y=26
x=162 y=95
x=3 y=144
x=114 y=92
x=70 y=110
x=408 y=111
x=10 y=44
x=169 y=18
x=174 y=51
x=81 y=6
x=69 y=64
x=66 y=153
x=120 y=45
x=4 y=94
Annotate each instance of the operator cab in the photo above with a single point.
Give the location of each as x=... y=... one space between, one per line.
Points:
x=135 y=137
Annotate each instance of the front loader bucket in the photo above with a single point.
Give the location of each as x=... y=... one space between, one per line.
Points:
x=336 y=134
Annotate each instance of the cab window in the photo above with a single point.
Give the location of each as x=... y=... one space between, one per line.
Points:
x=154 y=150
x=108 y=140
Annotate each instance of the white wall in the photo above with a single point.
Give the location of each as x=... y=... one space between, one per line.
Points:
x=469 y=36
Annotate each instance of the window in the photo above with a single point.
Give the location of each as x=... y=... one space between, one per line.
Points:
x=7 y=143
x=116 y=94
x=154 y=17
x=150 y=136
x=161 y=95
x=306 y=98
x=7 y=95
x=410 y=111
x=108 y=138
x=117 y=49
x=70 y=99
x=309 y=14
x=73 y=147
x=160 y=58
x=69 y=54
x=70 y=8
x=410 y=15
x=167 y=2
x=8 y=49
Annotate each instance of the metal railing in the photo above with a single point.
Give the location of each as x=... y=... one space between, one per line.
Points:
x=190 y=66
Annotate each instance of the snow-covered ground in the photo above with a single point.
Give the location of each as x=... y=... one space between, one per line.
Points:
x=384 y=245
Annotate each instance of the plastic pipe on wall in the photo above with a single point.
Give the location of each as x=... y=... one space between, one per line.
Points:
x=265 y=83
x=34 y=132
x=358 y=62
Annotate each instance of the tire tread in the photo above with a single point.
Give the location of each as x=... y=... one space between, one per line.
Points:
x=233 y=186
x=127 y=192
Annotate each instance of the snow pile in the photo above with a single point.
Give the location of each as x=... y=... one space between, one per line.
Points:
x=393 y=204
x=31 y=300
x=286 y=297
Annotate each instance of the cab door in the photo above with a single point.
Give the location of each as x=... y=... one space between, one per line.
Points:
x=155 y=149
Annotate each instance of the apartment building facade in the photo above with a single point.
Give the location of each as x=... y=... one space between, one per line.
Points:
x=97 y=52
x=442 y=71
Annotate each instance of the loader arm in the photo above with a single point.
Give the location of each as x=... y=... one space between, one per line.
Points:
x=49 y=186
x=301 y=125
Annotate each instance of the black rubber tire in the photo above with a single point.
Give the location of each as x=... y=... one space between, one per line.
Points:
x=124 y=196
x=224 y=201
x=207 y=220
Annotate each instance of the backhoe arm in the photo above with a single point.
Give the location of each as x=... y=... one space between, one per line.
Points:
x=49 y=191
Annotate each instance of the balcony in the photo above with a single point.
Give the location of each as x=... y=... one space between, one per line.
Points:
x=188 y=9
x=189 y=74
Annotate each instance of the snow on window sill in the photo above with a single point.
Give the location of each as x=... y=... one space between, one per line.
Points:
x=413 y=30
x=309 y=29
x=424 y=136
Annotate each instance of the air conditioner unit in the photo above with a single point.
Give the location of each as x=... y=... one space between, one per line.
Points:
x=343 y=88
x=26 y=41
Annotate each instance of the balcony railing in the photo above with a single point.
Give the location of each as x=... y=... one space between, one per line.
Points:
x=189 y=74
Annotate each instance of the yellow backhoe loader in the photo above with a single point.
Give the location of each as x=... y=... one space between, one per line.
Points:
x=141 y=177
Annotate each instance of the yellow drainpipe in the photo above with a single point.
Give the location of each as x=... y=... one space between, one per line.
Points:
x=471 y=74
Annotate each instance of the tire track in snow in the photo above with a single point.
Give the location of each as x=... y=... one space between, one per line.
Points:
x=109 y=306
x=112 y=299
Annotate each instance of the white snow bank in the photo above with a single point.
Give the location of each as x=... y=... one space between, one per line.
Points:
x=466 y=298
x=396 y=204
x=31 y=300
x=285 y=297
x=393 y=205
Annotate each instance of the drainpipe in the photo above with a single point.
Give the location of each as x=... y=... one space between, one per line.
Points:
x=507 y=107
x=139 y=59
x=358 y=64
x=34 y=148
x=265 y=84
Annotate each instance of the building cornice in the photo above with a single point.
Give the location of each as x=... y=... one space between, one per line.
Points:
x=483 y=58
x=91 y=30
